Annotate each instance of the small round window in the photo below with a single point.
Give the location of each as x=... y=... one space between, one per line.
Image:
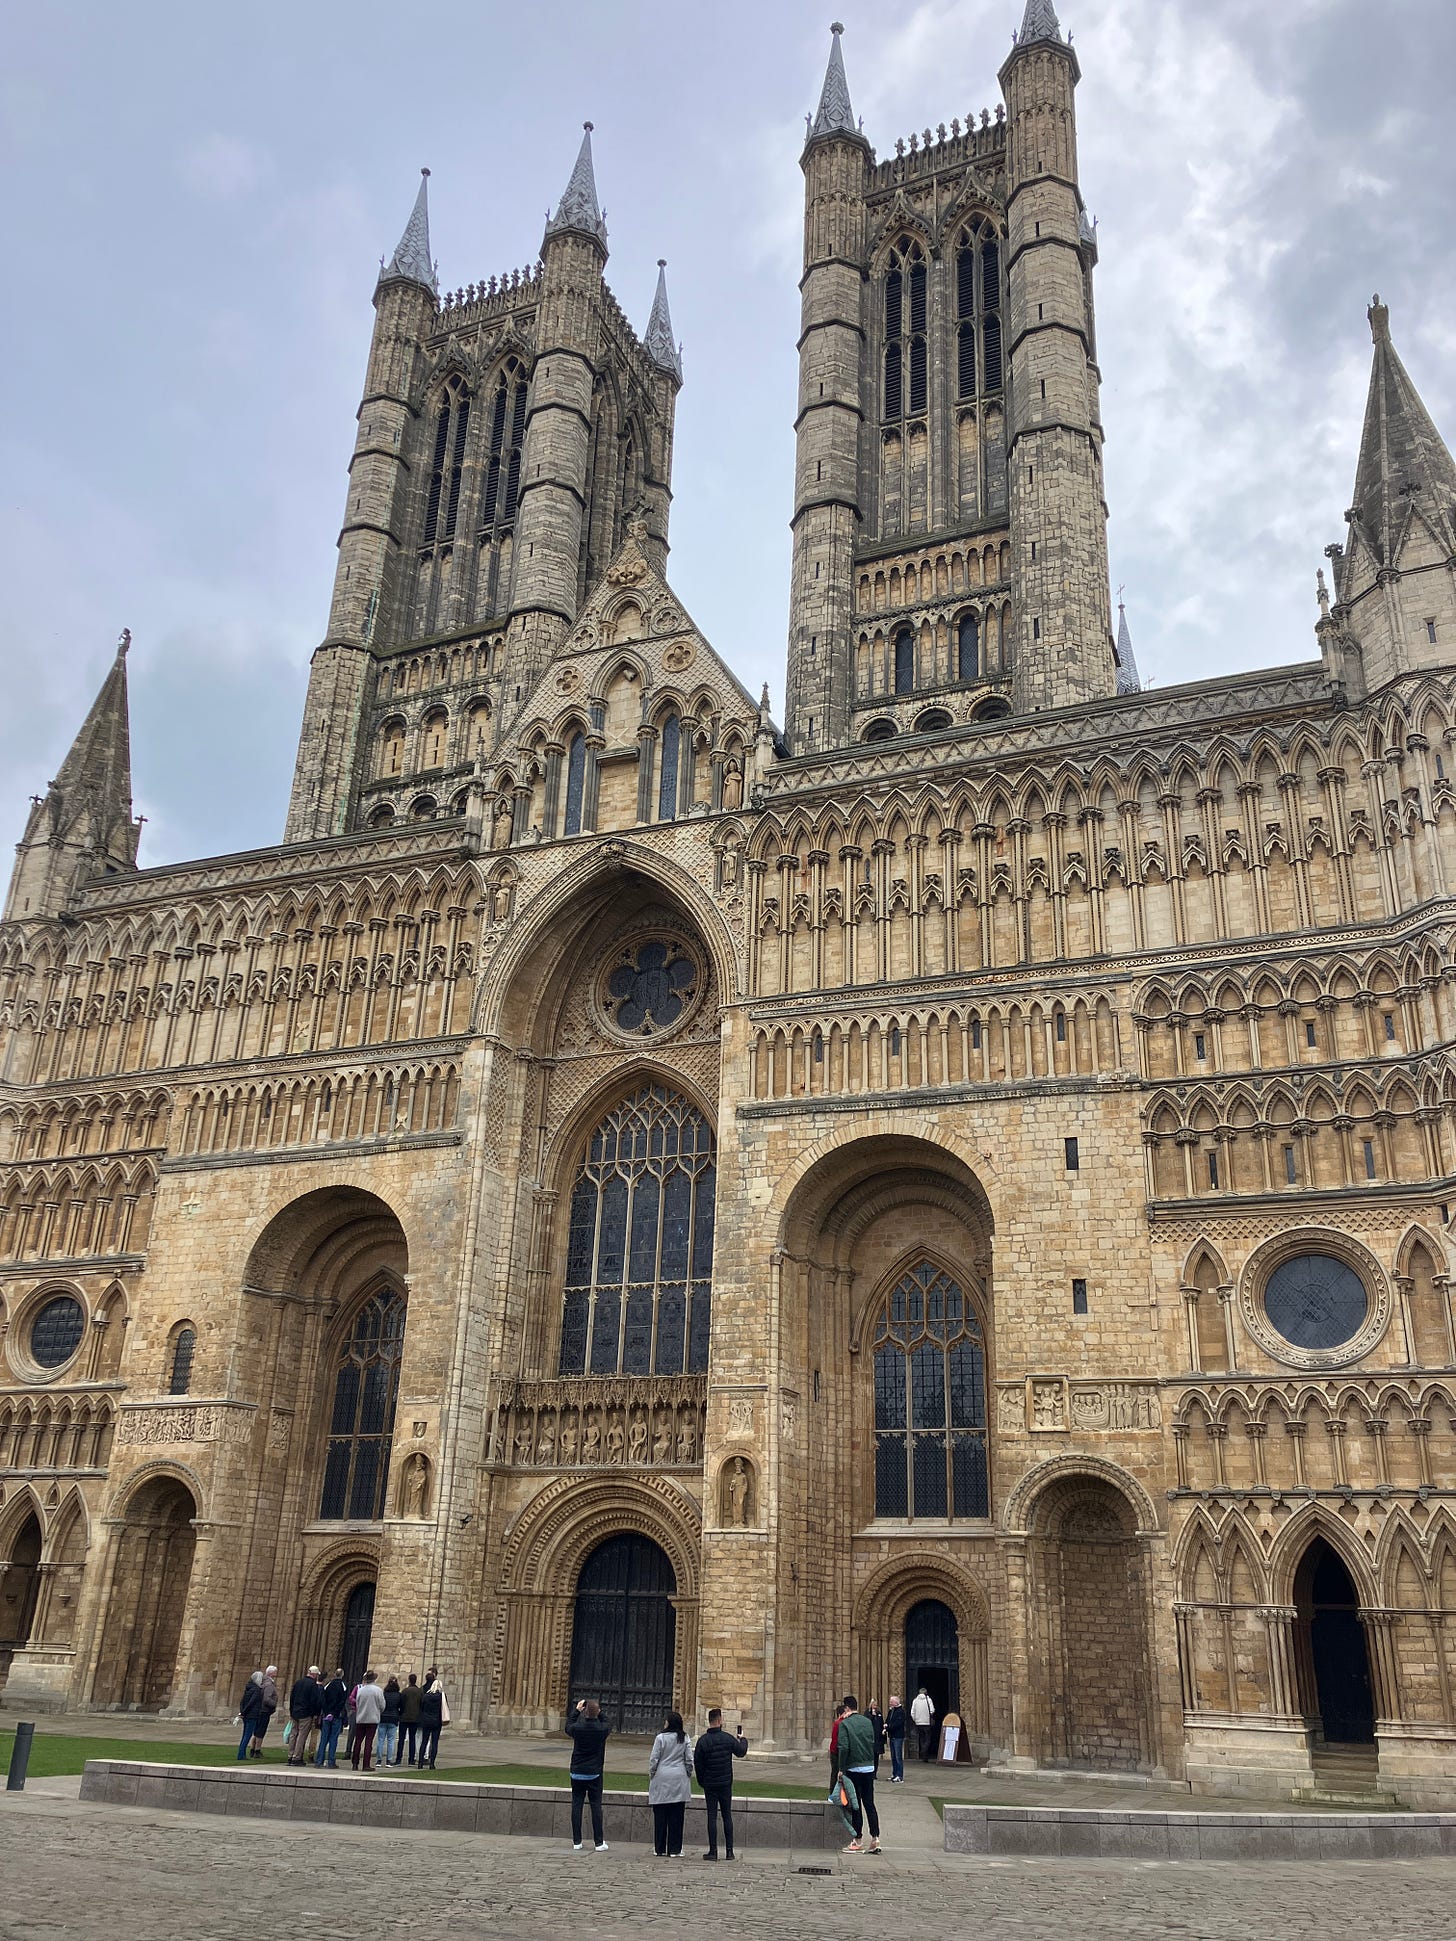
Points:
x=651 y=988
x=55 y=1333
x=1316 y=1301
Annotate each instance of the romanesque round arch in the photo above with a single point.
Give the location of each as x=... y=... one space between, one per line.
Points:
x=808 y=1192
x=1024 y=1505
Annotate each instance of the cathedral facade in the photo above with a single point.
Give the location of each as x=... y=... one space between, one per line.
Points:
x=634 y=1198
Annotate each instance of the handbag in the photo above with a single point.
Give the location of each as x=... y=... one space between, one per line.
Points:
x=288 y=1731
x=444 y=1709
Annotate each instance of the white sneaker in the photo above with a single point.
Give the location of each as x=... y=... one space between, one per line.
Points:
x=601 y=1846
x=576 y=1847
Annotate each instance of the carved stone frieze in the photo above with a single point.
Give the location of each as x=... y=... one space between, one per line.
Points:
x=654 y=1421
x=230 y=1423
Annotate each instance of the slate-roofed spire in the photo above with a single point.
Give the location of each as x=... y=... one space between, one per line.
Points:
x=1127 y=673
x=1404 y=461
x=82 y=826
x=658 y=342
x=411 y=259
x=835 y=116
x=578 y=207
x=1039 y=22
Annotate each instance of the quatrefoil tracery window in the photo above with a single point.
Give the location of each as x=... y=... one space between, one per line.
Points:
x=651 y=987
x=930 y=1400
x=639 y=1260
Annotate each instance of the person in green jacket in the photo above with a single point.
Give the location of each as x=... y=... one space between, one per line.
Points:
x=857 y=1759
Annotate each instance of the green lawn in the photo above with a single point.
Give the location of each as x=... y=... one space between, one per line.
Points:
x=57 y=1753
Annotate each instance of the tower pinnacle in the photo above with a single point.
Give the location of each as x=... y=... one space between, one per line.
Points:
x=658 y=341
x=411 y=259
x=1404 y=463
x=1127 y=670
x=835 y=116
x=1039 y=22
x=578 y=207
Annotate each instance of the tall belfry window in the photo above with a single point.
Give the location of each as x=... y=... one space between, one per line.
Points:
x=575 y=784
x=639 y=1252
x=447 y=470
x=906 y=294
x=503 y=463
x=930 y=1400
x=991 y=313
x=966 y=319
x=904 y=661
x=361 y=1425
x=968 y=648
x=978 y=310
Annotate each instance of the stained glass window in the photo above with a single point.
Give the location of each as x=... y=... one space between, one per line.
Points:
x=652 y=985
x=930 y=1401
x=575 y=784
x=1316 y=1301
x=670 y=753
x=55 y=1333
x=179 y=1379
x=361 y=1427
x=639 y=1249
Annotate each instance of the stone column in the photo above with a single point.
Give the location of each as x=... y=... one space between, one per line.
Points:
x=1379 y=1629
x=1279 y=1622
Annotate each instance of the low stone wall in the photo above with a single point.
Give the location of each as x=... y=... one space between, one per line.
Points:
x=440 y=1805
x=1055 y=1832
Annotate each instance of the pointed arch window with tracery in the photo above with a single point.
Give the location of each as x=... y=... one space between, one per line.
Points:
x=447 y=470
x=906 y=313
x=503 y=461
x=930 y=1400
x=639 y=1255
x=361 y=1423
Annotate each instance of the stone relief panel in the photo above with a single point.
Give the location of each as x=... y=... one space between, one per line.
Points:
x=207 y=1422
x=657 y=1422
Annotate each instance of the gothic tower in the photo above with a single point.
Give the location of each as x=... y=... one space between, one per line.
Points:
x=507 y=433
x=1062 y=613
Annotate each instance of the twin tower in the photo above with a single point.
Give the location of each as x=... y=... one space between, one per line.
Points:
x=950 y=554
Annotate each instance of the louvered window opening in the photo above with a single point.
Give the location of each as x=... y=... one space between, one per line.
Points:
x=906 y=366
x=503 y=463
x=361 y=1426
x=978 y=275
x=640 y=1242
x=930 y=1401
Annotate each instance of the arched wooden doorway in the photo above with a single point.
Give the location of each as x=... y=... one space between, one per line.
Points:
x=1334 y=1664
x=933 y=1654
x=358 y=1628
x=149 y=1584
x=624 y=1632
x=19 y=1590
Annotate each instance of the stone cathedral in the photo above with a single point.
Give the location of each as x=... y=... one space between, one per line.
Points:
x=633 y=1197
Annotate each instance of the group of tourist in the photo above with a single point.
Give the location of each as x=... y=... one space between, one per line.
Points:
x=672 y=1766
x=385 y=1722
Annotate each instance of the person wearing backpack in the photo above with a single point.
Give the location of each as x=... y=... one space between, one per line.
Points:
x=669 y=1786
x=857 y=1763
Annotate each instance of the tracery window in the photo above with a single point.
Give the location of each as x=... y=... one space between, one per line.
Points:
x=906 y=298
x=978 y=305
x=447 y=470
x=366 y=1388
x=639 y=1261
x=575 y=784
x=930 y=1400
x=503 y=463
x=668 y=761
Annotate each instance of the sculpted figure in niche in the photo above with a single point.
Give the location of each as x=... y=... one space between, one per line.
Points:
x=591 y=1442
x=687 y=1440
x=546 y=1448
x=732 y=791
x=416 y=1492
x=637 y=1442
x=662 y=1440
x=502 y=825
x=736 y=1509
x=568 y=1439
x=616 y=1441
x=524 y=1440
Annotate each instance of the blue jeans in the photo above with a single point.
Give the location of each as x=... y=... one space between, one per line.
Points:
x=247 y=1738
x=386 y=1741
x=897 y=1755
x=329 y=1742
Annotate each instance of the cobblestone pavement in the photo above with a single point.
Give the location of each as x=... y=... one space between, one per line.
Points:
x=72 y=1870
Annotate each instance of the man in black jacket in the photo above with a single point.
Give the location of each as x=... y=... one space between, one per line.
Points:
x=713 y=1758
x=335 y=1709
x=305 y=1708
x=588 y=1732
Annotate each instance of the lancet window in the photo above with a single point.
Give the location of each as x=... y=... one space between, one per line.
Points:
x=503 y=464
x=447 y=470
x=361 y=1424
x=639 y=1262
x=906 y=300
x=930 y=1400
x=978 y=311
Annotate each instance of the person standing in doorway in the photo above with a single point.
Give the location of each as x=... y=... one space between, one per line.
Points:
x=386 y=1743
x=434 y=1717
x=305 y=1706
x=368 y=1711
x=713 y=1763
x=922 y=1711
x=588 y=1732
x=895 y=1736
x=331 y=1719
x=857 y=1760
x=670 y=1786
x=409 y=1717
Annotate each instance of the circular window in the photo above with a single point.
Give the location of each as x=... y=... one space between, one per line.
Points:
x=55 y=1333
x=1316 y=1301
x=652 y=985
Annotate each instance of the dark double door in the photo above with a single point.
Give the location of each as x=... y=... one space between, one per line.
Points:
x=933 y=1656
x=623 y=1640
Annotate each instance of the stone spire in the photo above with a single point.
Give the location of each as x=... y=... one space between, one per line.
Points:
x=82 y=825
x=835 y=116
x=1127 y=673
x=1404 y=463
x=411 y=259
x=658 y=341
x=1039 y=22
x=578 y=207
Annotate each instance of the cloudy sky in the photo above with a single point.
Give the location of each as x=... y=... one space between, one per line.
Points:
x=195 y=201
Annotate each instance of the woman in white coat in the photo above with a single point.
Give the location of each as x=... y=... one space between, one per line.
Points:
x=670 y=1786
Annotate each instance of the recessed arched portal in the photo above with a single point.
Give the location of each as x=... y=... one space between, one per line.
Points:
x=358 y=1628
x=933 y=1654
x=153 y=1570
x=1334 y=1663
x=19 y=1591
x=624 y=1632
